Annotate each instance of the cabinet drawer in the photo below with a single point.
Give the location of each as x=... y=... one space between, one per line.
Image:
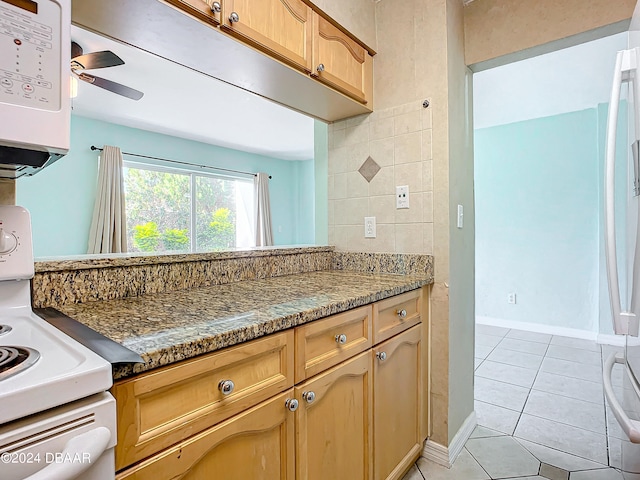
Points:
x=255 y=444
x=319 y=344
x=396 y=314
x=161 y=408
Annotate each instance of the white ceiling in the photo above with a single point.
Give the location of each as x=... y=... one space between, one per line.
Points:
x=567 y=80
x=184 y=103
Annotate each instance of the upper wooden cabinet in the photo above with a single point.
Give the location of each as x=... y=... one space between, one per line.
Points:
x=341 y=62
x=206 y=10
x=280 y=28
x=266 y=52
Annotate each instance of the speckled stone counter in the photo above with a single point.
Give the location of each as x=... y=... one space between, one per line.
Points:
x=172 y=326
x=99 y=277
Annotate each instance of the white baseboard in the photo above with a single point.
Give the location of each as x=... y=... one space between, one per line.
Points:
x=445 y=456
x=538 y=328
x=617 y=340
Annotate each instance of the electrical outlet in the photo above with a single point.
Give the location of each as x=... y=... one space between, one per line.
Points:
x=369 y=227
x=511 y=298
x=402 y=196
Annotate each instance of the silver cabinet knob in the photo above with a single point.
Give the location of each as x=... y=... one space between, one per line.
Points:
x=226 y=386
x=309 y=396
x=291 y=404
x=402 y=313
x=320 y=68
x=215 y=7
x=382 y=356
x=341 y=339
x=234 y=17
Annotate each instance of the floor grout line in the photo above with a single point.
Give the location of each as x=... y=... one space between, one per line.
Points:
x=538 y=371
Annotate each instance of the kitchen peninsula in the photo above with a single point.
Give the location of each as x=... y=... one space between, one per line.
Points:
x=229 y=336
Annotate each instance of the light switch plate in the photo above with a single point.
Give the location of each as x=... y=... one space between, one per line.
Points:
x=402 y=196
x=369 y=227
x=460 y=216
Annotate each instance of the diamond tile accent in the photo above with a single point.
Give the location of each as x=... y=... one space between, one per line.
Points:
x=369 y=169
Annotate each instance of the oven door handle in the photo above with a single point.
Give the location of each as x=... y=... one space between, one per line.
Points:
x=630 y=427
x=81 y=452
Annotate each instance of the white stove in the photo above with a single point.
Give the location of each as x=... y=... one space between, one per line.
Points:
x=56 y=419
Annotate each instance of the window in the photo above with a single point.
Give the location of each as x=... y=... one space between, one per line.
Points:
x=166 y=206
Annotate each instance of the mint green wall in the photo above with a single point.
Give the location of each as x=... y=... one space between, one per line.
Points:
x=61 y=197
x=537 y=220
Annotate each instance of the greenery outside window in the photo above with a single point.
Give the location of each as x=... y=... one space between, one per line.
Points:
x=172 y=210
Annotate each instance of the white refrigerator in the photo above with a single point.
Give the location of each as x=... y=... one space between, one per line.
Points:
x=622 y=249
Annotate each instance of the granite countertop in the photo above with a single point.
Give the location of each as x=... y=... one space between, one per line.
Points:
x=168 y=327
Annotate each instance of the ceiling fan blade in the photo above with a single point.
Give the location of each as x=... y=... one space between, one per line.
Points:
x=114 y=87
x=98 y=60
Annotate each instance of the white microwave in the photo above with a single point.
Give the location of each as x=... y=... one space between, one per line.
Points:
x=35 y=105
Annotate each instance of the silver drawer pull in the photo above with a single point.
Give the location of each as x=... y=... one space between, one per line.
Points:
x=291 y=404
x=215 y=7
x=309 y=396
x=226 y=386
x=382 y=356
x=320 y=68
x=341 y=339
x=234 y=17
x=402 y=313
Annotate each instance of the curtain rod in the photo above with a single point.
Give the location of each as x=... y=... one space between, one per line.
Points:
x=93 y=147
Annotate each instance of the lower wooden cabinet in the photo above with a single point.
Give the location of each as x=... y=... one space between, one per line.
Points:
x=360 y=419
x=334 y=423
x=257 y=444
x=397 y=380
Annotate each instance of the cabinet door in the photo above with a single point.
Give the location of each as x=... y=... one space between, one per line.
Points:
x=256 y=444
x=341 y=62
x=280 y=28
x=333 y=430
x=205 y=10
x=397 y=387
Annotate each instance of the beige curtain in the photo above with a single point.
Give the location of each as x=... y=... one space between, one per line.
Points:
x=108 y=232
x=264 y=232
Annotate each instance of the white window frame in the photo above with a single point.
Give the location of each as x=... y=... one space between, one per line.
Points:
x=193 y=174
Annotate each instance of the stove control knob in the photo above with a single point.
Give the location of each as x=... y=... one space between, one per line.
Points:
x=8 y=242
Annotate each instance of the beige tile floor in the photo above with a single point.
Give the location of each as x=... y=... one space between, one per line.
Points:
x=541 y=412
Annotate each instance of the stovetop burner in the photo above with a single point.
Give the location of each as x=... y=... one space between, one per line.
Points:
x=5 y=329
x=16 y=359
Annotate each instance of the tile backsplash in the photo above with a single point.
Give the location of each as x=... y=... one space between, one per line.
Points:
x=94 y=278
x=398 y=140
